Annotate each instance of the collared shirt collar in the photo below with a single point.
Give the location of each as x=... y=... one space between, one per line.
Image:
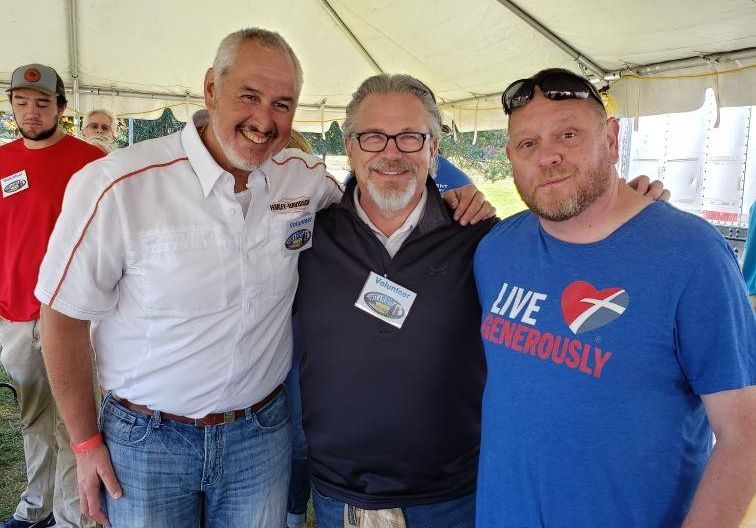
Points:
x=408 y=225
x=435 y=214
x=207 y=169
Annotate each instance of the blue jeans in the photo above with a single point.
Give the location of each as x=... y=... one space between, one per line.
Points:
x=299 y=487
x=168 y=469
x=455 y=513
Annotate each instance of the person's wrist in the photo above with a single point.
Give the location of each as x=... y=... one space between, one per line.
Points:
x=87 y=445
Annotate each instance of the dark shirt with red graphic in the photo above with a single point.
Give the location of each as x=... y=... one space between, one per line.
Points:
x=597 y=357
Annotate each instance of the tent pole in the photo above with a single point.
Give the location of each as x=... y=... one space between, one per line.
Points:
x=681 y=64
x=73 y=61
x=546 y=32
x=351 y=36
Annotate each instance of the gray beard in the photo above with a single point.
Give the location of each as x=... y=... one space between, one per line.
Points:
x=392 y=200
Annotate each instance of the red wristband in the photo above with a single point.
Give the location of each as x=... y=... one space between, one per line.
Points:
x=87 y=445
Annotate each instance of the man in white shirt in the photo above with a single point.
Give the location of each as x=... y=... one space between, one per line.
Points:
x=182 y=251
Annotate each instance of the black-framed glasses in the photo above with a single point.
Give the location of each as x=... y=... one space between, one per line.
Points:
x=556 y=84
x=406 y=142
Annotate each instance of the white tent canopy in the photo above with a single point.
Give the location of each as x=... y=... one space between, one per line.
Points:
x=137 y=57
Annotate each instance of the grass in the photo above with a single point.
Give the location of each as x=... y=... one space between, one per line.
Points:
x=12 y=470
x=503 y=195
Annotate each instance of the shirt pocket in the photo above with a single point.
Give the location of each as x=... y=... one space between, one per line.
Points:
x=185 y=273
x=286 y=242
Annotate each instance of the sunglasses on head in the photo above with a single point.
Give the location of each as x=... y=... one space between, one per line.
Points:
x=556 y=85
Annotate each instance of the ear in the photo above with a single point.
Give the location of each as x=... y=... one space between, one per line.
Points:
x=612 y=139
x=434 y=147
x=209 y=86
x=507 y=150
x=348 y=146
x=433 y=165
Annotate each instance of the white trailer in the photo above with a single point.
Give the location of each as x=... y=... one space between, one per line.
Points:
x=706 y=158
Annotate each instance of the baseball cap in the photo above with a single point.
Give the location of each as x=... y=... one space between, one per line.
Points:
x=38 y=77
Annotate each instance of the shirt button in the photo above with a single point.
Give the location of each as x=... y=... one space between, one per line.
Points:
x=249 y=305
x=232 y=212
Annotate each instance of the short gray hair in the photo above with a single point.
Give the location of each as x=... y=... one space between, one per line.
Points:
x=226 y=53
x=398 y=83
x=103 y=112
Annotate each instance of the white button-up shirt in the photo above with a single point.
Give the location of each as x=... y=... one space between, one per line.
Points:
x=191 y=301
x=394 y=242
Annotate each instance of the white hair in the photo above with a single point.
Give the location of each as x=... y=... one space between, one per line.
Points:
x=226 y=53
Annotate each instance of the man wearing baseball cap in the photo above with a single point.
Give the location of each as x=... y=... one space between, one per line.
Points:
x=34 y=172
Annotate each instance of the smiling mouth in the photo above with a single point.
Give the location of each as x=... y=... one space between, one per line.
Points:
x=554 y=181
x=255 y=137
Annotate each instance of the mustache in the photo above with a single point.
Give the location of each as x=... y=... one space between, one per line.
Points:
x=391 y=166
x=551 y=173
x=270 y=134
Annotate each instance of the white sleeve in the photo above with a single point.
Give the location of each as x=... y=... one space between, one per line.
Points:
x=86 y=256
x=330 y=190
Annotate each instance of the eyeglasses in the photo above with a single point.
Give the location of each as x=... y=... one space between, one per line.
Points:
x=557 y=85
x=406 y=142
x=97 y=126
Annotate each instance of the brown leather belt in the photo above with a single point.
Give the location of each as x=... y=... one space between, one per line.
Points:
x=211 y=419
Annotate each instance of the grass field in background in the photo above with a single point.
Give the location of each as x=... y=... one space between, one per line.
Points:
x=503 y=195
x=12 y=470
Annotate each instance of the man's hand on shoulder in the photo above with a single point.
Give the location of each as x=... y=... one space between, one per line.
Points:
x=651 y=189
x=469 y=204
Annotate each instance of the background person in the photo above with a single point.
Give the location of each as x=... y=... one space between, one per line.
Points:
x=34 y=172
x=99 y=129
x=749 y=258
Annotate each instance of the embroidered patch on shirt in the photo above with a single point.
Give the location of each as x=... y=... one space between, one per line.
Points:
x=299 y=234
x=290 y=205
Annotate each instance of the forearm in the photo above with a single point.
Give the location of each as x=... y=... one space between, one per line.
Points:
x=727 y=487
x=68 y=360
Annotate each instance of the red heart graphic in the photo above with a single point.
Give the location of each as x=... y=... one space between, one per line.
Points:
x=581 y=301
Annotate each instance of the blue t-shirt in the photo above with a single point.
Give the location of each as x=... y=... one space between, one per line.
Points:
x=597 y=356
x=749 y=260
x=449 y=176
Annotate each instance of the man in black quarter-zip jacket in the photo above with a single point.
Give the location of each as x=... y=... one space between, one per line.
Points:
x=394 y=369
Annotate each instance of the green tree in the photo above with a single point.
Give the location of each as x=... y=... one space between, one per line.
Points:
x=486 y=157
x=332 y=144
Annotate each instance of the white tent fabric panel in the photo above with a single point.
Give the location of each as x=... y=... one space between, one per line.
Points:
x=138 y=57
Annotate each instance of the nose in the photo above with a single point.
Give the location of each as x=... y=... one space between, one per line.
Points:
x=392 y=150
x=549 y=156
x=263 y=119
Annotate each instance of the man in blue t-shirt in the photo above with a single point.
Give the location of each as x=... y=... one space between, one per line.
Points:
x=617 y=335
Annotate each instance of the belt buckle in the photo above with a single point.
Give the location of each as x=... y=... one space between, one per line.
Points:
x=229 y=417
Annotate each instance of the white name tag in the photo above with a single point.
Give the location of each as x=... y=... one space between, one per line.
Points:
x=15 y=183
x=299 y=234
x=385 y=299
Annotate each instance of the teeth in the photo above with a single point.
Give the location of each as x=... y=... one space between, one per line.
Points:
x=254 y=137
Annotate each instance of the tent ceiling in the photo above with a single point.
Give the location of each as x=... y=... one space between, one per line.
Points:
x=155 y=53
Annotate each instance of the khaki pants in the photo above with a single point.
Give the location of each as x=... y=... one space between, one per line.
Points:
x=392 y=518
x=50 y=464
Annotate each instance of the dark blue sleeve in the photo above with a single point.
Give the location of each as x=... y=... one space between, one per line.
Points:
x=449 y=176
